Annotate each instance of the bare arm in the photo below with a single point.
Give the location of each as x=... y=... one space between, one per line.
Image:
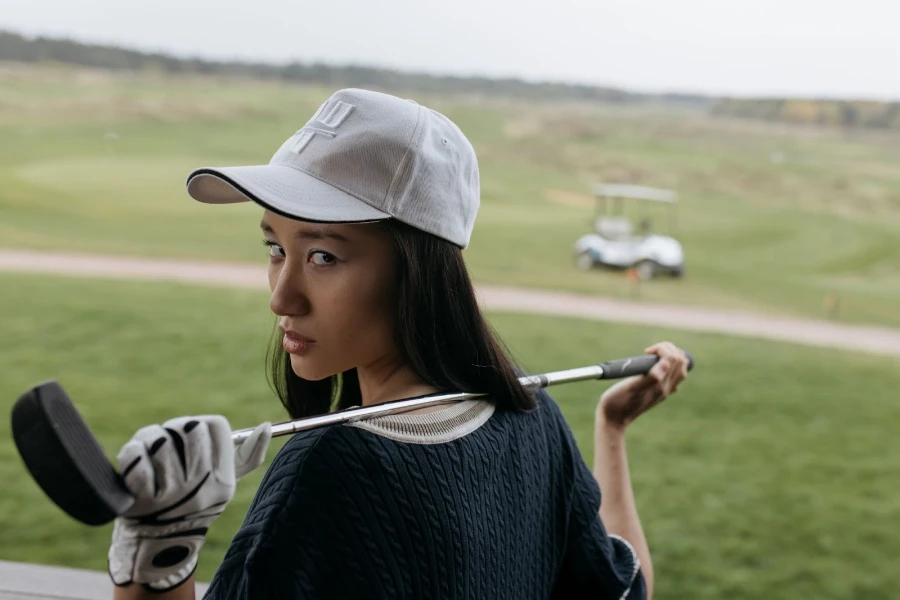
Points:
x=618 y=510
x=619 y=406
x=185 y=591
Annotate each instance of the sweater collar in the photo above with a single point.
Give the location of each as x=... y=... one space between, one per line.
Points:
x=436 y=427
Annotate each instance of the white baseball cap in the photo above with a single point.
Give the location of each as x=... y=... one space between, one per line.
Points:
x=363 y=156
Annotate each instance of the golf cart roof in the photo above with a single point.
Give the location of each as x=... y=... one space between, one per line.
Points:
x=635 y=192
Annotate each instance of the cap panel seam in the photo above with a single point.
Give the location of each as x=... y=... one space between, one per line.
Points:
x=391 y=192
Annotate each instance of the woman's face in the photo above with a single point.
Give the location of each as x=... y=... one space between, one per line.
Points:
x=333 y=286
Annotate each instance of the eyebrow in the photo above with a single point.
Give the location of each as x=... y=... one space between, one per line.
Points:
x=314 y=234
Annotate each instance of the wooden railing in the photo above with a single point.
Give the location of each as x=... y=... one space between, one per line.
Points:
x=22 y=581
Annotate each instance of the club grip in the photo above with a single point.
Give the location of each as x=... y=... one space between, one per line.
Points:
x=636 y=365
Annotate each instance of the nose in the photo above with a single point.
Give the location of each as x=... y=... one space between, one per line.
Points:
x=288 y=290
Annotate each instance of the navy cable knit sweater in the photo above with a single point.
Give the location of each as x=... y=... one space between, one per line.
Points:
x=508 y=510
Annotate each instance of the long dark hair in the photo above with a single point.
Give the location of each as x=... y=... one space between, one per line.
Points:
x=440 y=331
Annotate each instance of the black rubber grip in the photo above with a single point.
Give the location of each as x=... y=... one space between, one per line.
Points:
x=636 y=365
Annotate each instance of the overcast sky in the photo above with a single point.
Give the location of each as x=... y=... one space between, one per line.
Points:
x=832 y=48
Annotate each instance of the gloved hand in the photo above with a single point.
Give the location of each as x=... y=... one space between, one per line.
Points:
x=182 y=474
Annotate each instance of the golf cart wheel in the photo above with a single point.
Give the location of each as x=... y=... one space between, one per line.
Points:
x=646 y=269
x=677 y=272
x=584 y=261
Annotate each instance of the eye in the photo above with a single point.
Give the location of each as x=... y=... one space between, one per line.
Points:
x=320 y=258
x=275 y=251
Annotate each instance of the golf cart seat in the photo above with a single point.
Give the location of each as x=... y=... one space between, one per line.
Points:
x=613 y=228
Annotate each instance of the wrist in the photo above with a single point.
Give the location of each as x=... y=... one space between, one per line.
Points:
x=612 y=430
x=160 y=558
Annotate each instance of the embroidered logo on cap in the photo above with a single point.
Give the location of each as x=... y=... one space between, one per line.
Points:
x=331 y=115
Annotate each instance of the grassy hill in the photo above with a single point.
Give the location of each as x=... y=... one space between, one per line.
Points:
x=773 y=218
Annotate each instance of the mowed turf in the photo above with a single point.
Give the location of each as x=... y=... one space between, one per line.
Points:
x=772 y=473
x=772 y=219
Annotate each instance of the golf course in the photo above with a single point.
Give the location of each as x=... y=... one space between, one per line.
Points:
x=770 y=474
x=772 y=218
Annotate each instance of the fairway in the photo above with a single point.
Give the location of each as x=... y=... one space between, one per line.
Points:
x=772 y=219
x=771 y=474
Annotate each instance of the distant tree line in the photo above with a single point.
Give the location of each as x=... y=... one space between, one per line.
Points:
x=843 y=113
x=855 y=114
x=15 y=47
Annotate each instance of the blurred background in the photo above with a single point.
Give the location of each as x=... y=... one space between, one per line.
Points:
x=722 y=175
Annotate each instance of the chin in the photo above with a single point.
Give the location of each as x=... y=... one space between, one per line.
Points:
x=309 y=370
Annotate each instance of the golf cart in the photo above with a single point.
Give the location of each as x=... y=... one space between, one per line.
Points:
x=615 y=244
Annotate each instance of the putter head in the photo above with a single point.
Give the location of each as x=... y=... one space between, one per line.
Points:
x=64 y=458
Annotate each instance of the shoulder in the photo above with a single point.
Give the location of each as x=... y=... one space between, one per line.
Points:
x=301 y=465
x=302 y=461
x=552 y=419
x=294 y=494
x=314 y=472
x=545 y=421
x=291 y=461
x=579 y=476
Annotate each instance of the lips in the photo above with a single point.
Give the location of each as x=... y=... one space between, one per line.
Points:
x=295 y=343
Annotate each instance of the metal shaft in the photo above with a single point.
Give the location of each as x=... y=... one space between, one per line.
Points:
x=531 y=382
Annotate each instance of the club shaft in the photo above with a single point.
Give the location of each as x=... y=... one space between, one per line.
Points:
x=530 y=382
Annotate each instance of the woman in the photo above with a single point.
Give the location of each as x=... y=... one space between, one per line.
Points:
x=366 y=211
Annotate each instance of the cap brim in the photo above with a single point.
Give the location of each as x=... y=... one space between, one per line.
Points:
x=284 y=190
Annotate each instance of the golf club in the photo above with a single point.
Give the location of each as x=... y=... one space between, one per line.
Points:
x=67 y=462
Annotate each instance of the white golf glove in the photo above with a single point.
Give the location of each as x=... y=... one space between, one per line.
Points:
x=182 y=474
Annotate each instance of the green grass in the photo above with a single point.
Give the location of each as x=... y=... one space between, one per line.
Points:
x=97 y=163
x=771 y=474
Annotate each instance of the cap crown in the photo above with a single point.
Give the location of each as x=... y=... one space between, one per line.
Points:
x=399 y=157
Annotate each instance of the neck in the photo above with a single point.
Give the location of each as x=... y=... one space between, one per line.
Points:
x=390 y=379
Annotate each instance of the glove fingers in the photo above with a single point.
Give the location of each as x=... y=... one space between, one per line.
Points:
x=205 y=492
x=162 y=459
x=222 y=447
x=167 y=454
x=192 y=434
x=251 y=454
x=137 y=473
